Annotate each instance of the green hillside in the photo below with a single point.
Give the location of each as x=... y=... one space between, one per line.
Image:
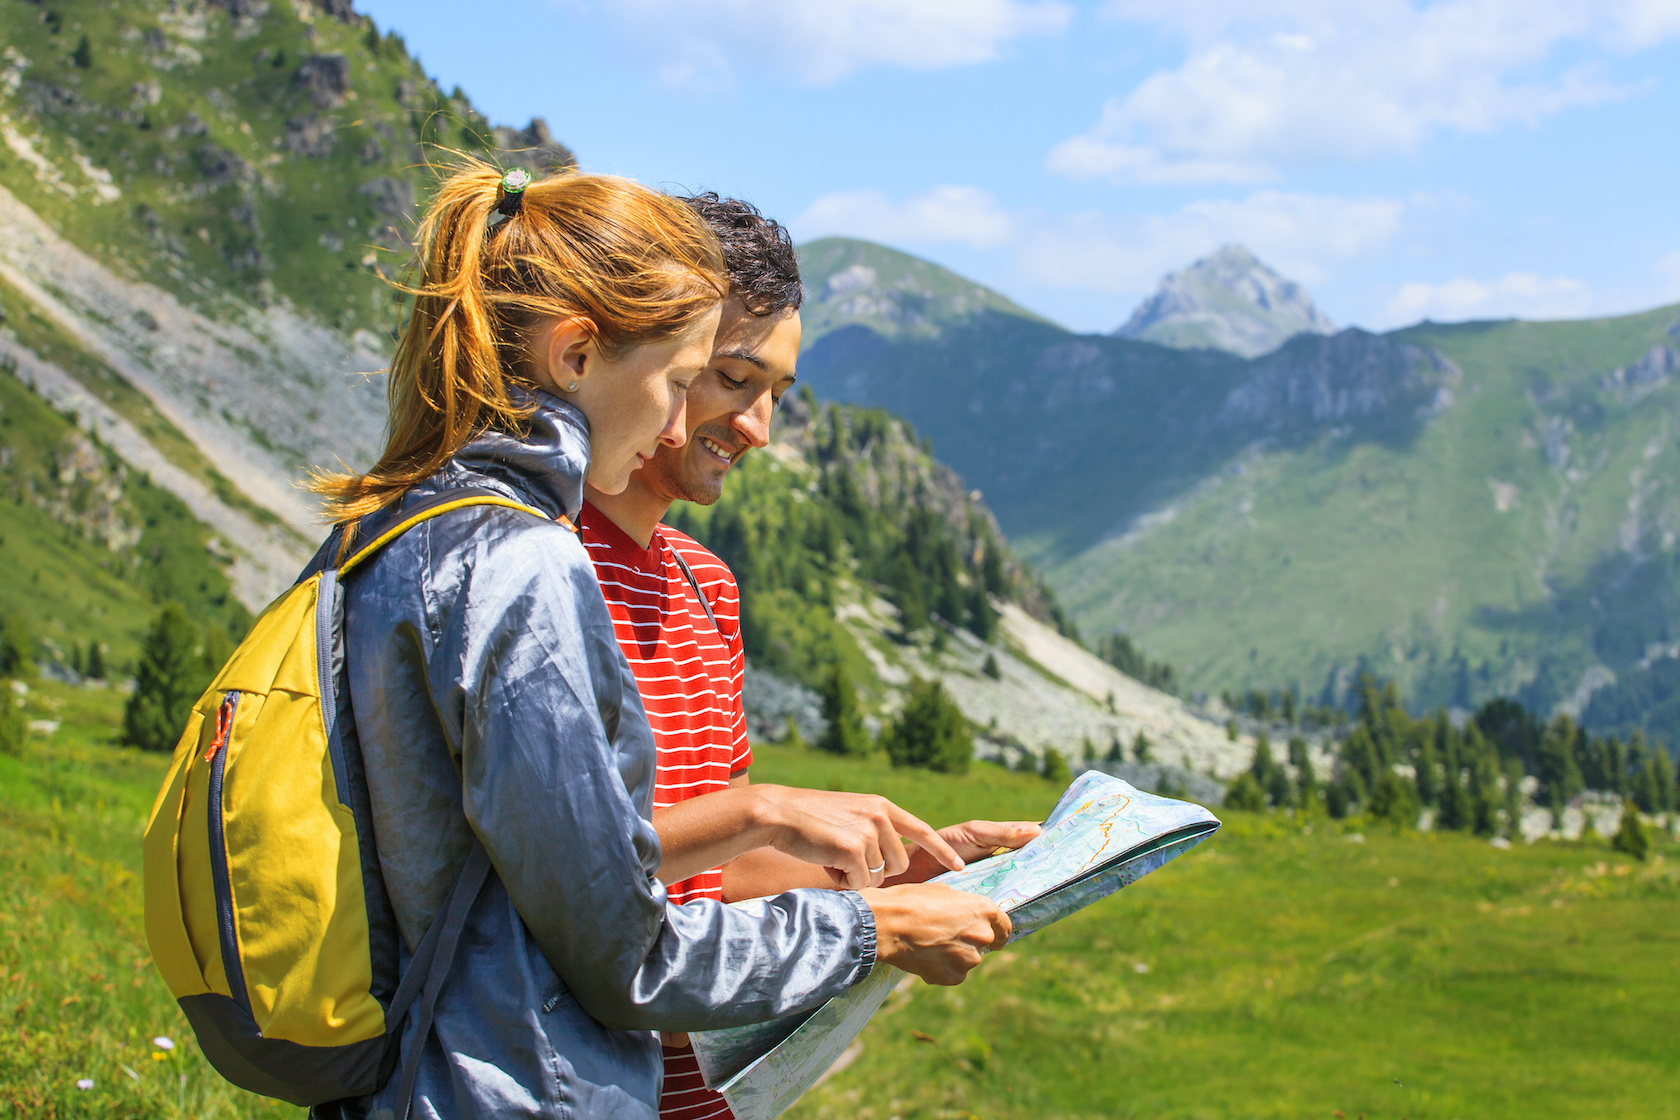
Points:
x=1275 y=972
x=229 y=151
x=1470 y=510
x=896 y=295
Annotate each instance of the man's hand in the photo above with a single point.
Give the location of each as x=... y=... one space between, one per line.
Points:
x=854 y=836
x=935 y=932
x=970 y=840
x=850 y=840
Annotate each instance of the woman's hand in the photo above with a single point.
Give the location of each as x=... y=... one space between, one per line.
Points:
x=970 y=840
x=935 y=932
x=854 y=836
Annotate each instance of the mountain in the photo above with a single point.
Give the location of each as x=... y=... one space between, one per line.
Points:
x=1228 y=301
x=850 y=283
x=200 y=207
x=1473 y=510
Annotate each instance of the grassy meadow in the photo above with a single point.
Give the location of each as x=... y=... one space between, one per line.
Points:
x=1272 y=972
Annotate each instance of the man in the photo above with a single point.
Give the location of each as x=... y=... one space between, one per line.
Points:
x=676 y=609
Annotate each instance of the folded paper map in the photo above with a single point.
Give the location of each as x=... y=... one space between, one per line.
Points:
x=1102 y=835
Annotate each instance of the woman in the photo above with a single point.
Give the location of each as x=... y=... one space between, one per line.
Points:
x=555 y=329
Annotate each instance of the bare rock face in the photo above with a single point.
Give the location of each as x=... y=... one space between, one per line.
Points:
x=1229 y=301
x=342 y=10
x=535 y=145
x=1353 y=375
x=326 y=78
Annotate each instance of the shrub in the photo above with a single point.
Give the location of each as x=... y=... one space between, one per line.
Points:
x=929 y=732
x=1054 y=768
x=13 y=727
x=1245 y=793
x=990 y=668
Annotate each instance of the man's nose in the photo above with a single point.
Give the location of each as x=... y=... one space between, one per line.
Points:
x=753 y=422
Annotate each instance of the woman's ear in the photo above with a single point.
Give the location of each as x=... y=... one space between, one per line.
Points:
x=569 y=354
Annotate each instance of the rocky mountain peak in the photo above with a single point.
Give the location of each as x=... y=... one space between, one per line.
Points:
x=1227 y=301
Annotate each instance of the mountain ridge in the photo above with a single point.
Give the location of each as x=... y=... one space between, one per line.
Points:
x=1464 y=508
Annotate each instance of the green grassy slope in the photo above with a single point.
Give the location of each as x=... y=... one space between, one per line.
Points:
x=1275 y=972
x=1288 y=973
x=1316 y=556
x=78 y=993
x=89 y=548
x=239 y=165
x=860 y=283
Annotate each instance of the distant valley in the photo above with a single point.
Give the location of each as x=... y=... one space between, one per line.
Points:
x=1473 y=510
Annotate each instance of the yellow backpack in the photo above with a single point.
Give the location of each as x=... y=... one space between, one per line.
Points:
x=265 y=908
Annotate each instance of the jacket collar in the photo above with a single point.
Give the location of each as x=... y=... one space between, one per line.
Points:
x=546 y=463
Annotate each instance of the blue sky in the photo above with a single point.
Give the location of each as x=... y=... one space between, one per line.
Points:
x=1459 y=159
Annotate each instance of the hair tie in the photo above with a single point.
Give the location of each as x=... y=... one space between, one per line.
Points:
x=511 y=191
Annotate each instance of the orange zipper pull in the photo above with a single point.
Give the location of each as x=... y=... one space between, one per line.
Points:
x=224 y=725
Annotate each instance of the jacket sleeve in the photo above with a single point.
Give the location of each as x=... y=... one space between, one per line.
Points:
x=557 y=762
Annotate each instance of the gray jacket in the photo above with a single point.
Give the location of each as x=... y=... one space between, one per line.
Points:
x=491 y=698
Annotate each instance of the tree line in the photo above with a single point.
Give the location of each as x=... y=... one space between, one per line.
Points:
x=1390 y=765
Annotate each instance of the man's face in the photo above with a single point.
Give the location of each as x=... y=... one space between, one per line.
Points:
x=729 y=404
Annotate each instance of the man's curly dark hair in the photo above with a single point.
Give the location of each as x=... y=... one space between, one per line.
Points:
x=757 y=251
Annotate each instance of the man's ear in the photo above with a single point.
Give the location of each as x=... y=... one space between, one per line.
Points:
x=570 y=353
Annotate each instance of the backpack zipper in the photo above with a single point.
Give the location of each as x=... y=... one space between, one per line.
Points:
x=222 y=886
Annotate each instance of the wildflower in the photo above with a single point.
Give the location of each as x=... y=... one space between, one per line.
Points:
x=159 y=1056
x=164 y=1042
x=84 y=1083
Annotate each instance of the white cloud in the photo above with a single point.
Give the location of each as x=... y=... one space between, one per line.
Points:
x=1303 y=236
x=1520 y=295
x=699 y=45
x=1282 y=83
x=948 y=214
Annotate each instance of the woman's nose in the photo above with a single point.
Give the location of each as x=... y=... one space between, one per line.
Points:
x=675 y=433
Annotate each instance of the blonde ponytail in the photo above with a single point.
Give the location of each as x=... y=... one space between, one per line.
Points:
x=635 y=264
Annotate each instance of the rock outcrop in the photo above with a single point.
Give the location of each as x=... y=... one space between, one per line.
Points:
x=1228 y=301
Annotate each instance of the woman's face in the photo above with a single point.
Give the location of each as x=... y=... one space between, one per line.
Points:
x=636 y=400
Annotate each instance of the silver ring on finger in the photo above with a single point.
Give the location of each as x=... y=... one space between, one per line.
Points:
x=878 y=870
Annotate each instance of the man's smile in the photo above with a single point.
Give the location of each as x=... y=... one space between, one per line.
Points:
x=713 y=447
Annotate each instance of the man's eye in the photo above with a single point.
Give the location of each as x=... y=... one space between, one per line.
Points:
x=729 y=382
x=775 y=401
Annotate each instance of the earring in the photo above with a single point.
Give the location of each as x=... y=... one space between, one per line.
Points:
x=571 y=386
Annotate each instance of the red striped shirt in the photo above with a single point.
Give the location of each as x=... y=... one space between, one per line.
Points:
x=690 y=674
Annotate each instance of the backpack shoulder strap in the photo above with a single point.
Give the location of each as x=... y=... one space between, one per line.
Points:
x=688 y=574
x=439 y=504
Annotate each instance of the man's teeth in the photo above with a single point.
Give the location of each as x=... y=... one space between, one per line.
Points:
x=715 y=448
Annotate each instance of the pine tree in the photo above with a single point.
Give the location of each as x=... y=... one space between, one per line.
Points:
x=990 y=668
x=1631 y=837
x=13 y=727
x=845 y=733
x=1245 y=793
x=17 y=648
x=1116 y=753
x=168 y=680
x=1306 y=782
x=1054 y=768
x=82 y=56
x=1140 y=747
x=929 y=732
x=95 y=661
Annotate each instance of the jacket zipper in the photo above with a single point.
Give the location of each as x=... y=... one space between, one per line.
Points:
x=216 y=756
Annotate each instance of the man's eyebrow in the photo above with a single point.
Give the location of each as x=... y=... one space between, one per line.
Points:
x=739 y=355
